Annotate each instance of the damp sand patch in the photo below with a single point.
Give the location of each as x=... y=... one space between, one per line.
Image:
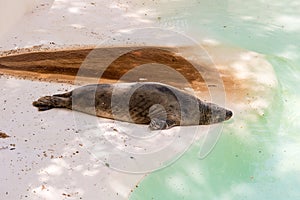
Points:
x=239 y=69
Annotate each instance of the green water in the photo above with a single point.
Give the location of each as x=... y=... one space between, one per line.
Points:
x=260 y=160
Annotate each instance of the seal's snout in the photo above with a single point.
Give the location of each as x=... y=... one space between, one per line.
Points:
x=228 y=114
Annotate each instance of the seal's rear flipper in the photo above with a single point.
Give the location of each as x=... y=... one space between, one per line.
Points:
x=66 y=95
x=43 y=103
x=44 y=108
x=48 y=102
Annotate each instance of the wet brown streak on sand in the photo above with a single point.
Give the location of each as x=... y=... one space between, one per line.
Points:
x=63 y=65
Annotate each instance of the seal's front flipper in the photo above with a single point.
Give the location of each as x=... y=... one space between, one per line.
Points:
x=160 y=124
x=159 y=118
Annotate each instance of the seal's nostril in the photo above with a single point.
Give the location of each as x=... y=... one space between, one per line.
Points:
x=228 y=114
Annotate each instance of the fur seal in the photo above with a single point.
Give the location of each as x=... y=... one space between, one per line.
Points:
x=159 y=105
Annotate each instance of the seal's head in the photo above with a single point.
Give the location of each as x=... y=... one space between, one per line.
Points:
x=212 y=113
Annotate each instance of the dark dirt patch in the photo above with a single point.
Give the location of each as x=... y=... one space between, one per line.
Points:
x=3 y=135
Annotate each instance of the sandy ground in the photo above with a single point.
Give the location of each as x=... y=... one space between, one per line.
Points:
x=45 y=159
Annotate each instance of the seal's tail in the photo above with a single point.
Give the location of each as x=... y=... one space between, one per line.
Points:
x=48 y=102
